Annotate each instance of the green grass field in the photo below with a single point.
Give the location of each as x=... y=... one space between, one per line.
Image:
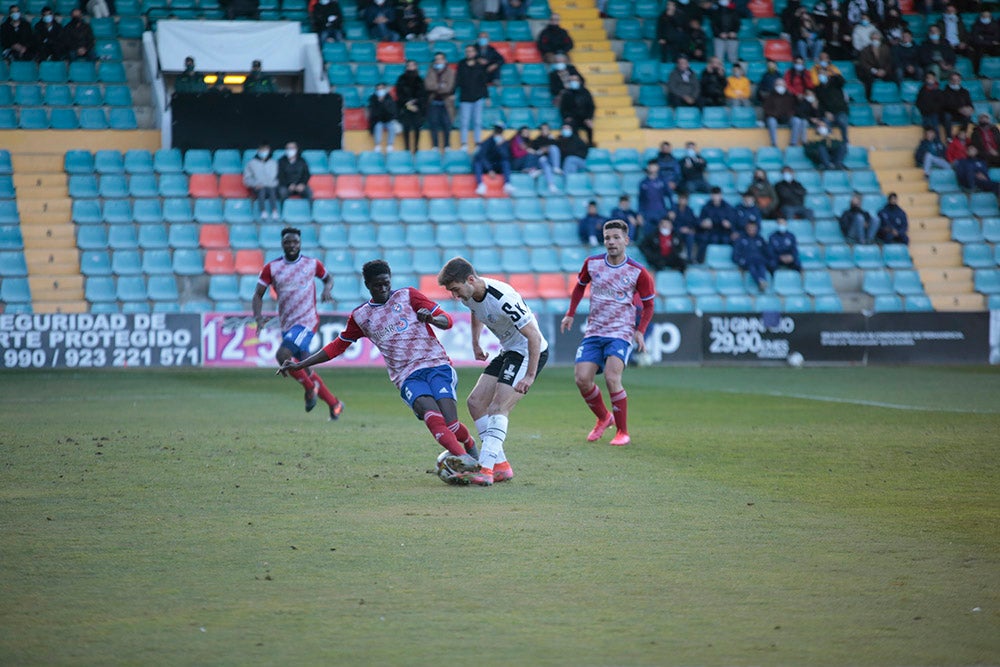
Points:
x=761 y=517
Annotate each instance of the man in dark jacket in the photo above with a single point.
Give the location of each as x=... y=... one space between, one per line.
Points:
x=825 y=151
x=16 y=38
x=984 y=39
x=412 y=97
x=779 y=109
x=576 y=107
x=293 y=174
x=471 y=81
x=875 y=64
x=752 y=254
x=973 y=174
x=671 y=29
x=670 y=168
x=784 y=248
x=78 y=38
x=829 y=92
x=986 y=139
x=930 y=152
x=493 y=154
x=654 y=196
x=893 y=225
x=857 y=224
x=907 y=55
x=662 y=248
x=632 y=218
x=380 y=17
x=559 y=76
x=935 y=54
x=554 y=39
x=258 y=82
x=683 y=88
x=693 y=167
x=956 y=105
x=572 y=150
x=490 y=57
x=791 y=196
x=930 y=99
x=327 y=21
x=713 y=84
x=716 y=223
x=685 y=224
x=48 y=36
x=410 y=20
x=590 y=227
x=382 y=116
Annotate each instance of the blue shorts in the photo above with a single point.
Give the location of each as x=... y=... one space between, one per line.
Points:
x=437 y=382
x=297 y=340
x=596 y=349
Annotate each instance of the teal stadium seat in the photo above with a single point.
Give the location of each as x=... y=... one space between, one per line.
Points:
x=888 y=303
x=876 y=282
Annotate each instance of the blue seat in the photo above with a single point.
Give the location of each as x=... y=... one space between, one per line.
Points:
x=719 y=256
x=15 y=290
x=828 y=304
x=355 y=211
x=156 y=262
x=943 y=181
x=709 y=303
x=32 y=118
x=177 y=210
x=11 y=237
x=111 y=72
x=699 y=282
x=223 y=288
x=888 y=303
x=118 y=212
x=987 y=281
x=147 y=212
x=100 y=289
x=885 y=92
x=877 y=282
x=23 y=71
x=126 y=263
x=95 y=263
x=868 y=257
x=162 y=288
x=983 y=204
x=839 y=256
x=168 y=161
x=534 y=74
x=907 y=282
x=966 y=230
x=918 y=303
x=386 y=211
x=28 y=95
x=343 y=162
x=123 y=237
x=92 y=238
x=744 y=117
x=716 y=118
x=818 y=283
x=857 y=157
x=787 y=283
x=866 y=182
x=198 y=161
x=688 y=118
x=978 y=255
x=661 y=118
x=955 y=205
x=332 y=237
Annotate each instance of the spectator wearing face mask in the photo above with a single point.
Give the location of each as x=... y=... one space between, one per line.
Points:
x=189 y=81
x=654 y=196
x=784 y=248
x=489 y=57
x=935 y=54
x=984 y=39
x=725 y=20
x=861 y=36
x=713 y=84
x=746 y=211
x=829 y=90
x=693 y=168
x=257 y=81
x=930 y=100
x=572 y=149
x=953 y=30
x=380 y=17
x=683 y=88
x=576 y=107
x=893 y=225
x=410 y=20
x=382 y=117
x=752 y=254
x=663 y=248
x=293 y=174
x=78 y=38
x=875 y=64
x=716 y=223
x=825 y=151
x=48 y=36
x=956 y=105
x=492 y=155
x=559 y=76
x=767 y=81
x=907 y=55
x=16 y=39
x=986 y=138
x=327 y=21
x=779 y=109
x=412 y=103
x=797 y=79
x=440 y=83
x=791 y=196
x=857 y=224
x=471 y=81
x=260 y=177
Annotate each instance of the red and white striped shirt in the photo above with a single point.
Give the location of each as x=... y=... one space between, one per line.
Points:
x=294 y=284
x=612 y=293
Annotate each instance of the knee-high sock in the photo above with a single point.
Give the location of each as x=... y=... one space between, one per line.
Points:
x=493 y=438
x=439 y=429
x=302 y=377
x=481 y=425
x=462 y=434
x=619 y=401
x=595 y=402
x=324 y=392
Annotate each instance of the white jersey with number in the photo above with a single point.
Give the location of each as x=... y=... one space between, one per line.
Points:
x=504 y=312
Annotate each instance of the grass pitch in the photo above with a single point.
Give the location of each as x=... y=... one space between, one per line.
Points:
x=761 y=517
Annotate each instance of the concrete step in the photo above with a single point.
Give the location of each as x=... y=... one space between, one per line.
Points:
x=28 y=206
x=936 y=255
x=608 y=91
x=902 y=180
x=613 y=105
x=78 y=306
x=42 y=192
x=952 y=275
x=917 y=201
x=586 y=32
x=26 y=181
x=959 y=302
x=609 y=66
x=37 y=235
x=37 y=163
x=617 y=123
x=603 y=78
x=570 y=15
x=589 y=57
x=612 y=139
x=46 y=218
x=897 y=159
x=53 y=261
x=48 y=287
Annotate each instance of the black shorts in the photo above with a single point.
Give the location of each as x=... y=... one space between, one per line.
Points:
x=509 y=367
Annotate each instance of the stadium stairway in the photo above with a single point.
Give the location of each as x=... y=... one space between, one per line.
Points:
x=935 y=255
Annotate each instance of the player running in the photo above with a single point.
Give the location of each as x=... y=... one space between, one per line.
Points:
x=509 y=376
x=292 y=277
x=399 y=323
x=607 y=339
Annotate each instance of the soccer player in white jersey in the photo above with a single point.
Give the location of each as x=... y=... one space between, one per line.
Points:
x=614 y=280
x=399 y=323
x=509 y=376
x=292 y=277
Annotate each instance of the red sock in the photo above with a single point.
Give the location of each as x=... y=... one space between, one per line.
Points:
x=462 y=434
x=619 y=402
x=324 y=393
x=302 y=378
x=595 y=402
x=439 y=429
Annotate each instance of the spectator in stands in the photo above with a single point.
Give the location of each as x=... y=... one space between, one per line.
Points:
x=219 y=87
x=382 y=117
x=489 y=57
x=560 y=74
x=875 y=63
x=493 y=155
x=930 y=153
x=380 y=17
x=327 y=21
x=590 y=228
x=956 y=105
x=515 y=10
x=696 y=41
x=930 y=101
x=293 y=174
x=725 y=21
x=693 y=168
x=779 y=109
x=958 y=148
x=984 y=39
x=907 y=55
x=829 y=90
x=654 y=197
x=752 y=254
x=242 y=9
x=838 y=35
x=48 y=36
x=716 y=223
x=471 y=81
x=738 y=88
x=576 y=107
x=857 y=224
x=670 y=168
x=547 y=148
x=713 y=84
x=859 y=10
x=808 y=42
x=953 y=30
x=663 y=248
x=412 y=100
x=797 y=79
x=554 y=39
x=936 y=54
x=767 y=81
x=784 y=248
x=986 y=138
x=410 y=21
x=625 y=212
x=260 y=177
x=893 y=226
x=572 y=150
x=746 y=211
x=683 y=89
x=671 y=32
x=825 y=151
x=861 y=36
x=258 y=82
x=790 y=17
x=16 y=38
x=440 y=82
x=973 y=174
x=791 y=196
x=763 y=193
x=807 y=110
x=78 y=38
x=685 y=224
x=189 y=81
x=523 y=157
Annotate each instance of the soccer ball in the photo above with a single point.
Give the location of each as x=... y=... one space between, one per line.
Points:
x=444 y=471
x=795 y=359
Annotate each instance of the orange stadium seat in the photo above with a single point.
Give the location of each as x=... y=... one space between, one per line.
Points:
x=527 y=52
x=406 y=187
x=231 y=186
x=429 y=286
x=349 y=186
x=249 y=262
x=463 y=186
x=355 y=119
x=213 y=236
x=203 y=185
x=552 y=286
x=505 y=49
x=761 y=8
x=525 y=283
x=389 y=52
x=436 y=186
x=378 y=186
x=778 y=49
x=494 y=185
x=323 y=186
x=219 y=261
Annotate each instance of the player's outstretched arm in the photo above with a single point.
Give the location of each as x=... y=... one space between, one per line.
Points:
x=441 y=319
x=318 y=357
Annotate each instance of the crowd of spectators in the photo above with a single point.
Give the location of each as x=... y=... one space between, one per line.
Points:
x=49 y=39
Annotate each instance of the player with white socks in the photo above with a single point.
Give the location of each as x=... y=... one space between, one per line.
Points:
x=508 y=377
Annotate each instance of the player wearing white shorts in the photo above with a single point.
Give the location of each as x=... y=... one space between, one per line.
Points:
x=614 y=281
x=509 y=375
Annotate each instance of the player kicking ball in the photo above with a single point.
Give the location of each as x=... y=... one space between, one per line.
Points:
x=614 y=281
x=292 y=277
x=399 y=323
x=509 y=376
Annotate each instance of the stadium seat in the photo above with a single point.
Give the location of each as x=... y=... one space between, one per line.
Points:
x=162 y=288
x=156 y=262
x=249 y=261
x=987 y=281
x=688 y=118
x=168 y=161
x=729 y=282
x=126 y=263
x=888 y=303
x=787 y=283
x=907 y=282
x=99 y=289
x=131 y=288
x=839 y=256
x=868 y=257
x=828 y=304
x=148 y=212
x=183 y=236
x=95 y=263
x=877 y=282
x=828 y=231
x=917 y=303
x=811 y=257
x=699 y=282
x=118 y=212
x=966 y=230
